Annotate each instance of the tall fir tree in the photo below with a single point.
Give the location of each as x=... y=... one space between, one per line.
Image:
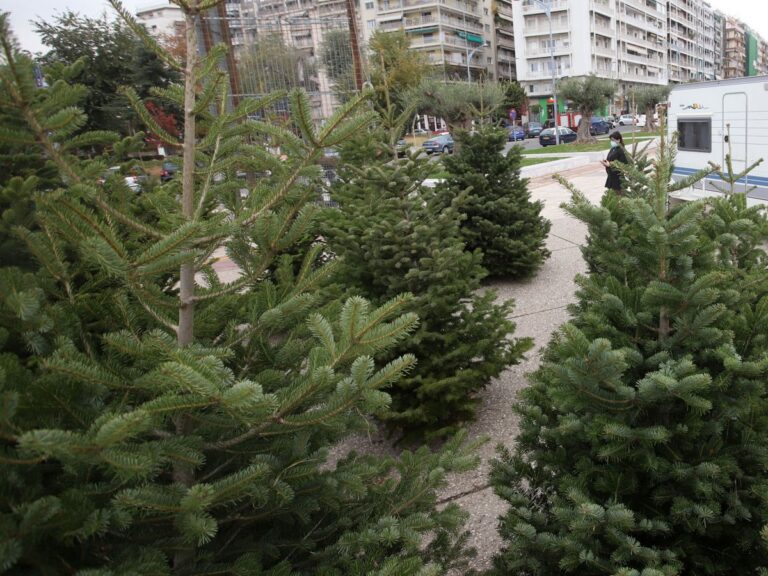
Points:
x=157 y=420
x=395 y=235
x=500 y=219
x=642 y=448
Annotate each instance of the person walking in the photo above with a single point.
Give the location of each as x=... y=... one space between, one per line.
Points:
x=616 y=154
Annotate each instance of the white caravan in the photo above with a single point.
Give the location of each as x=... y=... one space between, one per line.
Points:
x=706 y=116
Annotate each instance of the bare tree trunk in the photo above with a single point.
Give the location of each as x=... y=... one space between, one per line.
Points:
x=187 y=280
x=582 y=132
x=184 y=473
x=650 y=125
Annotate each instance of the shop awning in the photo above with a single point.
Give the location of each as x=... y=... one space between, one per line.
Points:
x=470 y=37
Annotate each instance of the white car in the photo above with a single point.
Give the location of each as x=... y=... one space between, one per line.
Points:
x=626 y=120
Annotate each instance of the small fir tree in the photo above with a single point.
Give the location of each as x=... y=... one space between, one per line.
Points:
x=155 y=420
x=499 y=217
x=642 y=448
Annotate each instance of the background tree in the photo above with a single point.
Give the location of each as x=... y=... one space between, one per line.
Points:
x=336 y=59
x=500 y=219
x=458 y=104
x=395 y=68
x=153 y=423
x=587 y=95
x=642 y=444
x=646 y=99
x=113 y=56
x=514 y=97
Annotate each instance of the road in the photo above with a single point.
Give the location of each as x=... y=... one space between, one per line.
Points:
x=531 y=143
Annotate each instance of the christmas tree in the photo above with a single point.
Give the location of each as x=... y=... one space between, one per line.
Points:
x=395 y=235
x=500 y=218
x=157 y=420
x=642 y=448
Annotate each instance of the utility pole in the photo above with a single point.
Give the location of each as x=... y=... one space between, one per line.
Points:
x=354 y=44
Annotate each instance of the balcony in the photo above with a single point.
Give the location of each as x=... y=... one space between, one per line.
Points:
x=530 y=7
x=605 y=51
x=539 y=52
x=641 y=5
x=539 y=30
x=526 y=75
x=399 y=5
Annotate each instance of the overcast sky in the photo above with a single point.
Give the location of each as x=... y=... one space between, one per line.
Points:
x=753 y=12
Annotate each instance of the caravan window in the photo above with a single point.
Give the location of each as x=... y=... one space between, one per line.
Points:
x=695 y=135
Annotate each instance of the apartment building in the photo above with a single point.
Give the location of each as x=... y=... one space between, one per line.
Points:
x=456 y=35
x=735 y=54
x=161 y=19
x=623 y=40
x=691 y=41
x=503 y=40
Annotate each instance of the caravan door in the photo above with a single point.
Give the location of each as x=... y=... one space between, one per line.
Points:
x=735 y=130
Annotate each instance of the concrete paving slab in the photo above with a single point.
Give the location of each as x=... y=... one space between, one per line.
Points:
x=556 y=243
x=569 y=230
x=551 y=288
x=496 y=419
x=486 y=508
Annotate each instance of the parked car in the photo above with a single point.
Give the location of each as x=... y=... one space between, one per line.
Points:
x=169 y=171
x=402 y=147
x=626 y=120
x=547 y=137
x=439 y=144
x=533 y=130
x=598 y=126
x=134 y=179
x=612 y=122
x=516 y=133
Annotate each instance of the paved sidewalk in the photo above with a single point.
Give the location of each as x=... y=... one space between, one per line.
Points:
x=540 y=309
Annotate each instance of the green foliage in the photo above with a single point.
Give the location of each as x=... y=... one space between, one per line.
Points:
x=395 y=68
x=499 y=217
x=112 y=56
x=514 y=96
x=395 y=235
x=457 y=103
x=642 y=447
x=646 y=99
x=586 y=94
x=127 y=450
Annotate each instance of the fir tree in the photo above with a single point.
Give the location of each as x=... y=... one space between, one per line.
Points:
x=395 y=235
x=500 y=218
x=154 y=420
x=642 y=448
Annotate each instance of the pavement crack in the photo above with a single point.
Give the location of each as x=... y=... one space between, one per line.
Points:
x=539 y=311
x=473 y=490
x=564 y=240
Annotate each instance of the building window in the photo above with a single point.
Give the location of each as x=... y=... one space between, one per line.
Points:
x=369 y=5
x=695 y=135
x=371 y=24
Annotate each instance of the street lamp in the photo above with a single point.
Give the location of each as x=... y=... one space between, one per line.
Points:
x=472 y=53
x=547 y=7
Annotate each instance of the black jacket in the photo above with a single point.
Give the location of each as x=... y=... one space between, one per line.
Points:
x=613 y=181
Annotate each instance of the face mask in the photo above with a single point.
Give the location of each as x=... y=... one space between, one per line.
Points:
x=614 y=143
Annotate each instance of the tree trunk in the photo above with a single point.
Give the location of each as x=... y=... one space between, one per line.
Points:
x=184 y=473
x=582 y=133
x=650 y=125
